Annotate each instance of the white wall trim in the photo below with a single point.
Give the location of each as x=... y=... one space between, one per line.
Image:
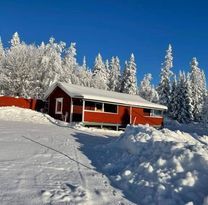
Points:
x=57 y=101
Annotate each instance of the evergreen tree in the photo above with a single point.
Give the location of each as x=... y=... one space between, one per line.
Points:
x=84 y=63
x=188 y=99
x=115 y=75
x=107 y=67
x=164 y=88
x=84 y=74
x=129 y=84
x=2 y=53
x=69 y=65
x=185 y=112
x=2 y=57
x=123 y=77
x=146 y=90
x=181 y=93
x=99 y=74
x=205 y=109
x=198 y=84
x=174 y=100
x=15 y=41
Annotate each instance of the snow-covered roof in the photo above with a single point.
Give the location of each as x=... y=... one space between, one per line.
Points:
x=77 y=91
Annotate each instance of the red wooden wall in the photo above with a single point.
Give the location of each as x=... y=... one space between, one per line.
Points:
x=59 y=93
x=139 y=117
x=122 y=117
x=19 y=102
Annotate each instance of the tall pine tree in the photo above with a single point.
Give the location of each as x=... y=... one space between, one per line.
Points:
x=197 y=80
x=129 y=80
x=147 y=90
x=115 y=75
x=99 y=74
x=2 y=58
x=164 y=88
x=174 y=101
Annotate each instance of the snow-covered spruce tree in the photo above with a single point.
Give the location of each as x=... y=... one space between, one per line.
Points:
x=174 y=100
x=185 y=113
x=2 y=57
x=99 y=74
x=188 y=99
x=204 y=85
x=198 y=86
x=84 y=74
x=107 y=67
x=129 y=80
x=115 y=75
x=164 y=88
x=69 y=65
x=123 y=77
x=147 y=90
x=205 y=110
x=15 y=41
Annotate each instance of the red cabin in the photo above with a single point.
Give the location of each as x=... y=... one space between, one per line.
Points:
x=95 y=107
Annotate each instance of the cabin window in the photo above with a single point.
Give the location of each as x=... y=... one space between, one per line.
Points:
x=157 y=112
x=150 y=112
x=110 y=108
x=94 y=106
x=77 y=102
x=147 y=112
x=99 y=107
x=89 y=105
x=59 y=106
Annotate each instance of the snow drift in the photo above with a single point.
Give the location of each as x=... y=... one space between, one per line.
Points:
x=23 y=115
x=159 y=166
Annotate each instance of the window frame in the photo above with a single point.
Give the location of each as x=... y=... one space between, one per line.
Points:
x=110 y=104
x=103 y=105
x=153 y=113
x=59 y=100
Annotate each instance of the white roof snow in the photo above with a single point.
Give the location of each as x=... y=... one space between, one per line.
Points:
x=87 y=93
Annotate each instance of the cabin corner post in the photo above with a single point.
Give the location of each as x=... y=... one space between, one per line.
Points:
x=83 y=108
x=71 y=110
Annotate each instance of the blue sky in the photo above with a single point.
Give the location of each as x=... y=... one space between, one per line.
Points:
x=115 y=28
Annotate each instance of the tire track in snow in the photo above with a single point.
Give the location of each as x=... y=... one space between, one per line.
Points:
x=62 y=153
x=83 y=180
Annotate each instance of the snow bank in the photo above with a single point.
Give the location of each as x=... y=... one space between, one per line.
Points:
x=158 y=166
x=23 y=115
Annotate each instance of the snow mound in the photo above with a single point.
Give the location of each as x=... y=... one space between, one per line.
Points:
x=158 y=166
x=23 y=115
x=67 y=193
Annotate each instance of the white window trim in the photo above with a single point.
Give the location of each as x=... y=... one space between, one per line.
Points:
x=59 y=100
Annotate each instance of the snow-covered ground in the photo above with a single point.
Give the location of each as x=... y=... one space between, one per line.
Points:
x=159 y=166
x=44 y=161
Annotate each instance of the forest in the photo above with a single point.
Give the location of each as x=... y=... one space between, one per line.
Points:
x=27 y=70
